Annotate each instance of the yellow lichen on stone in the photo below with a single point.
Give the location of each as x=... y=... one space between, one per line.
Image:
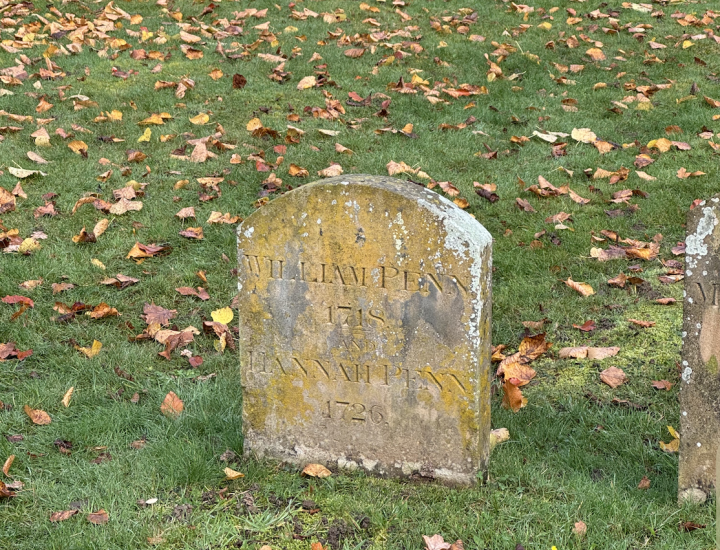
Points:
x=365 y=329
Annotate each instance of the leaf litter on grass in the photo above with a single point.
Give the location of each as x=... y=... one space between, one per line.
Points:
x=597 y=89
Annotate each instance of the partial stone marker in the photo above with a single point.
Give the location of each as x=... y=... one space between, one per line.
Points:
x=365 y=330
x=700 y=384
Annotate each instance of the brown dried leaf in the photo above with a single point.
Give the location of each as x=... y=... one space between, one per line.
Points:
x=172 y=405
x=512 y=396
x=62 y=516
x=157 y=315
x=193 y=233
x=643 y=324
x=37 y=416
x=8 y=464
x=662 y=385
x=583 y=288
x=99 y=517
x=613 y=377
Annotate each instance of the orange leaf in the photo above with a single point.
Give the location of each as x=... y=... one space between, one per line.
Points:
x=512 y=396
x=172 y=406
x=583 y=288
x=316 y=470
x=8 y=463
x=37 y=416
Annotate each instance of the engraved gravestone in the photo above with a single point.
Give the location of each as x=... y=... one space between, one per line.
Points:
x=700 y=383
x=365 y=330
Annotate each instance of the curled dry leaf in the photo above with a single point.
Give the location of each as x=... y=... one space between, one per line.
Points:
x=500 y=435
x=436 y=542
x=307 y=82
x=37 y=416
x=102 y=310
x=331 y=171
x=613 y=377
x=662 y=385
x=193 y=233
x=157 y=314
x=586 y=352
x=8 y=464
x=68 y=395
x=583 y=135
x=22 y=173
x=91 y=351
x=99 y=517
x=583 y=288
x=315 y=470
x=172 y=405
x=232 y=474
x=642 y=324
x=187 y=212
x=62 y=516
x=644 y=483
x=512 y=396
x=674 y=445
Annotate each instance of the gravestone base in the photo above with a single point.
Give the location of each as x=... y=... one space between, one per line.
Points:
x=365 y=330
x=301 y=456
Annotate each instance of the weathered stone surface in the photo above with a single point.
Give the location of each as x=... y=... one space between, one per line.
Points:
x=700 y=384
x=365 y=330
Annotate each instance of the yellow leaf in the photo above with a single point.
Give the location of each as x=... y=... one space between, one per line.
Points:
x=155 y=118
x=223 y=315
x=97 y=263
x=28 y=245
x=200 y=119
x=77 y=146
x=596 y=54
x=68 y=395
x=215 y=74
x=583 y=288
x=545 y=25
x=93 y=351
x=147 y=134
x=232 y=474
x=673 y=432
x=253 y=125
x=307 y=82
x=316 y=470
x=687 y=44
x=584 y=135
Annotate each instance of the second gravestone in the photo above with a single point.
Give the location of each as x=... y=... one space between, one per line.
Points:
x=365 y=330
x=700 y=384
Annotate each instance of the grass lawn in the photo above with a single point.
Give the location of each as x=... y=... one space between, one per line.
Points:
x=632 y=74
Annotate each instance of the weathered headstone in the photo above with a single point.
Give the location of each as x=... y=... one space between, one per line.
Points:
x=700 y=384
x=365 y=330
